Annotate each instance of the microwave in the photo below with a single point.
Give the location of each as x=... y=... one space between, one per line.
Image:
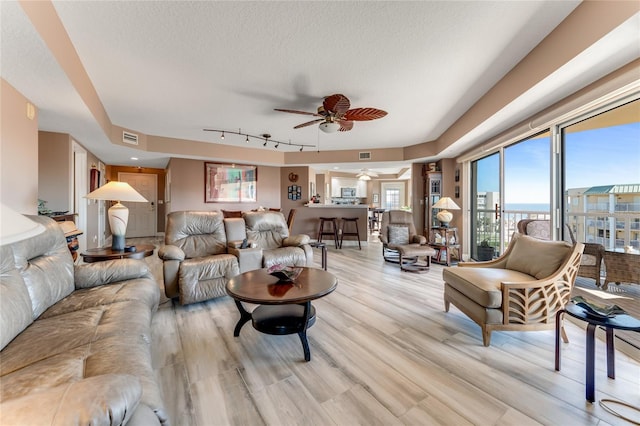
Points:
x=347 y=192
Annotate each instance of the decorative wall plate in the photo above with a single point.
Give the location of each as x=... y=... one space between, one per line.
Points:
x=293 y=177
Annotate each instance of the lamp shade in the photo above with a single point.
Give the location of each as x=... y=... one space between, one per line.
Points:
x=329 y=127
x=16 y=227
x=116 y=191
x=446 y=203
x=118 y=213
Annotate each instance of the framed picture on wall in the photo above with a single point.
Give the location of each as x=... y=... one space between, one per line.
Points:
x=376 y=198
x=230 y=183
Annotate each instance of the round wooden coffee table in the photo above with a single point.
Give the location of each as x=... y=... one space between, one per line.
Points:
x=107 y=253
x=285 y=307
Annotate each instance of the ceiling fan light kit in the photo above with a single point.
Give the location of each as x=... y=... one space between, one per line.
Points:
x=329 y=127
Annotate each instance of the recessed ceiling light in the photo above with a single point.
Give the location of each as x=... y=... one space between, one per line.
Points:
x=134 y=158
x=335 y=167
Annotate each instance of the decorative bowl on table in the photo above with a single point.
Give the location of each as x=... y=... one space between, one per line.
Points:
x=285 y=273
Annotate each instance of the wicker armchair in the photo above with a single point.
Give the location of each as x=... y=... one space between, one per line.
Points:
x=521 y=290
x=592 y=257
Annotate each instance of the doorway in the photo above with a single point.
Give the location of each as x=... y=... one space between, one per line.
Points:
x=142 y=216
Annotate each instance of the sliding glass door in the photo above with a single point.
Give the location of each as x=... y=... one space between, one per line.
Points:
x=485 y=207
x=508 y=186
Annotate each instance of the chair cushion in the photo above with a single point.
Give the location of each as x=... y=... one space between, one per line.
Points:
x=398 y=234
x=535 y=257
x=482 y=285
x=289 y=256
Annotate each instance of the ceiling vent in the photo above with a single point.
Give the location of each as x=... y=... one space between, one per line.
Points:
x=130 y=138
x=364 y=155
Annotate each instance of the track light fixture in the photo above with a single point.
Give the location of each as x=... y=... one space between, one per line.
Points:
x=264 y=137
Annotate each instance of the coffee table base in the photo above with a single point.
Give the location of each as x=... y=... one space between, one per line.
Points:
x=280 y=320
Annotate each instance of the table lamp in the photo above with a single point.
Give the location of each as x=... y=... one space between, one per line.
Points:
x=118 y=213
x=445 y=216
x=16 y=227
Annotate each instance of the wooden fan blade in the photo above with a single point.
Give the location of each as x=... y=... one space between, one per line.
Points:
x=337 y=104
x=345 y=125
x=364 y=114
x=308 y=123
x=293 y=111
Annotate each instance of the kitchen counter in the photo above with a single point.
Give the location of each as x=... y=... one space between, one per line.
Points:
x=307 y=221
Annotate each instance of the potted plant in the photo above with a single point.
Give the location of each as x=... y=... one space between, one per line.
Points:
x=485 y=251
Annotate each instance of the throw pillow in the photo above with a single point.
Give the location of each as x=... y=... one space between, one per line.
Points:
x=538 y=258
x=398 y=234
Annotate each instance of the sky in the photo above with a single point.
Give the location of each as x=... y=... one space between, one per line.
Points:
x=604 y=156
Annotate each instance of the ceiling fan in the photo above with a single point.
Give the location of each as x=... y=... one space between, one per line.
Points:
x=366 y=174
x=336 y=115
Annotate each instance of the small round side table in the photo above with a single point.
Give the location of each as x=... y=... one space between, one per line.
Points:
x=620 y=322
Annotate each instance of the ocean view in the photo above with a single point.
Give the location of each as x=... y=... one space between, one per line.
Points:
x=529 y=207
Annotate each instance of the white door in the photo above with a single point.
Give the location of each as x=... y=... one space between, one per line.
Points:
x=142 y=216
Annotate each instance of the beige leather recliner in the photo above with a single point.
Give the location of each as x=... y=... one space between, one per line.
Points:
x=269 y=241
x=196 y=263
x=521 y=290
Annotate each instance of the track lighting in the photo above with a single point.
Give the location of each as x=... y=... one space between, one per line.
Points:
x=266 y=137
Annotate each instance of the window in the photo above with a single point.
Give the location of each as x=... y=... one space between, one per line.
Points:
x=392 y=199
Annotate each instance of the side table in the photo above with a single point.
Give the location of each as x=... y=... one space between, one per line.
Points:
x=107 y=253
x=323 y=246
x=620 y=322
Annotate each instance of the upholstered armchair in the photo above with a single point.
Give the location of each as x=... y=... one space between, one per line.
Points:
x=591 y=263
x=195 y=260
x=397 y=229
x=521 y=290
x=267 y=241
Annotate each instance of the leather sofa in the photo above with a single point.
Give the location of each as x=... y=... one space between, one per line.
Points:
x=203 y=250
x=75 y=339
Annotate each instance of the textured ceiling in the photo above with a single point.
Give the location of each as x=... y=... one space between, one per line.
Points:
x=174 y=68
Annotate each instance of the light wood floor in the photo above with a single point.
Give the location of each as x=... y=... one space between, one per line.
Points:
x=383 y=352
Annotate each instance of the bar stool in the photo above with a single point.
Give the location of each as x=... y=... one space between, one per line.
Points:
x=345 y=221
x=333 y=232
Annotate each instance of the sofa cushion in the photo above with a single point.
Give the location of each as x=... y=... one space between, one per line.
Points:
x=535 y=257
x=46 y=265
x=267 y=229
x=290 y=256
x=15 y=305
x=482 y=285
x=205 y=277
x=103 y=400
x=398 y=234
x=197 y=233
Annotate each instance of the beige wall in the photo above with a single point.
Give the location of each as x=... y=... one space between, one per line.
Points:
x=18 y=152
x=187 y=188
x=55 y=170
x=303 y=181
